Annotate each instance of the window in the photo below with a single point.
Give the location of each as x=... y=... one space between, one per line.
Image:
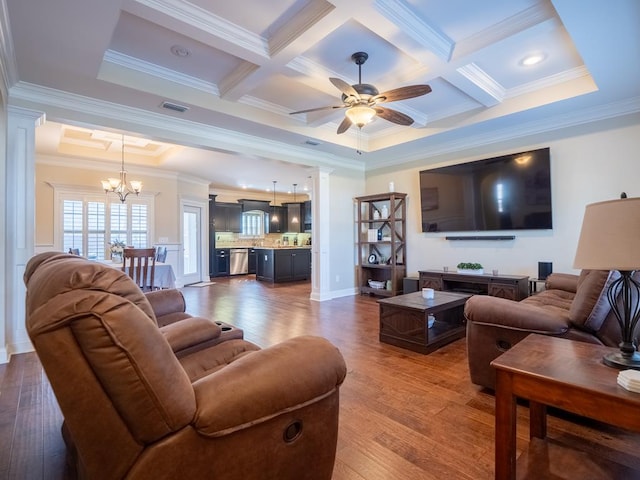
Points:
x=90 y=222
x=253 y=223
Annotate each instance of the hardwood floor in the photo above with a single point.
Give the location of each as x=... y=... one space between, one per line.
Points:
x=403 y=415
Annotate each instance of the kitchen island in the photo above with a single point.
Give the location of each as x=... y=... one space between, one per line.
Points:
x=283 y=264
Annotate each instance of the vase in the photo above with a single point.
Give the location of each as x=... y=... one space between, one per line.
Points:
x=116 y=257
x=468 y=271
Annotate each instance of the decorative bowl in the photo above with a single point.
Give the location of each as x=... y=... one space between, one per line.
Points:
x=376 y=284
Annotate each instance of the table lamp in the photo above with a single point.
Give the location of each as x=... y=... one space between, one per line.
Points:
x=610 y=240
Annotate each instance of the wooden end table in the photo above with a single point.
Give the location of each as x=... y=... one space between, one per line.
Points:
x=551 y=371
x=404 y=320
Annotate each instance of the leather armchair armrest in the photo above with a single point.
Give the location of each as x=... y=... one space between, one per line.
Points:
x=266 y=383
x=500 y=312
x=190 y=332
x=164 y=302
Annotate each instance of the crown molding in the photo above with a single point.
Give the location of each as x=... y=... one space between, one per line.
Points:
x=309 y=15
x=138 y=65
x=8 y=65
x=413 y=26
x=214 y=25
x=483 y=81
x=550 y=81
x=206 y=135
x=523 y=20
x=571 y=119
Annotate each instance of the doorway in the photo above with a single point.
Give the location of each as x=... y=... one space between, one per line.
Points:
x=192 y=257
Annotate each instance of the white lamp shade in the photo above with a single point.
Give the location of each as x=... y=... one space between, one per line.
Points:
x=360 y=115
x=610 y=236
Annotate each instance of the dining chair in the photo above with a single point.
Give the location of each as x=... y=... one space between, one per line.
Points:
x=74 y=251
x=161 y=254
x=140 y=265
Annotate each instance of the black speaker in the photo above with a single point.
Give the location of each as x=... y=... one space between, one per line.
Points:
x=544 y=270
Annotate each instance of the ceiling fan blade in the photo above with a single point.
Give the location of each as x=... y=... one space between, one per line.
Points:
x=318 y=108
x=393 y=116
x=344 y=125
x=402 y=93
x=345 y=88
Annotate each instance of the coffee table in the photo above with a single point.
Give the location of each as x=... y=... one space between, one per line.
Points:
x=565 y=374
x=404 y=320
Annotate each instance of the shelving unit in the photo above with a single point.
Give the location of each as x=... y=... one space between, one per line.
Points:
x=387 y=246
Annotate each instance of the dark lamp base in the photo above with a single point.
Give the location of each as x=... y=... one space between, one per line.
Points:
x=616 y=360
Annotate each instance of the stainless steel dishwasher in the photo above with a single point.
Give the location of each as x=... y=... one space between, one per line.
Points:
x=239 y=261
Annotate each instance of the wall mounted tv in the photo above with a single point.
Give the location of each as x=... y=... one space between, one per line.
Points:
x=511 y=192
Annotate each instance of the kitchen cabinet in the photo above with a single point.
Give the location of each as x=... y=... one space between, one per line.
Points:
x=252 y=205
x=228 y=217
x=264 y=264
x=281 y=225
x=222 y=264
x=283 y=264
x=306 y=215
x=294 y=212
x=252 y=260
x=382 y=233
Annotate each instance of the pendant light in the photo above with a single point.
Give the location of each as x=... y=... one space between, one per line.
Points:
x=274 y=217
x=295 y=217
x=120 y=186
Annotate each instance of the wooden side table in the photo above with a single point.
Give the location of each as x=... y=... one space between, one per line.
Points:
x=550 y=371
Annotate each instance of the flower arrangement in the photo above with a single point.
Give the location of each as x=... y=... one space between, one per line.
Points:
x=116 y=247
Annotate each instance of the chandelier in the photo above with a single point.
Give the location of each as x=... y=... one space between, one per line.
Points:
x=119 y=186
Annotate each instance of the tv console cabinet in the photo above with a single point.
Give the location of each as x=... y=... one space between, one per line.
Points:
x=511 y=287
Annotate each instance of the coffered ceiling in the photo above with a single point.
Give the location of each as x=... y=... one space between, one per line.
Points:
x=240 y=68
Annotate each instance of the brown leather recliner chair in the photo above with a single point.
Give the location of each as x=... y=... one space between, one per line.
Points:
x=571 y=306
x=133 y=409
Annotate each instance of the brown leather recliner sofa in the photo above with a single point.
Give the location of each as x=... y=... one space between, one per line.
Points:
x=571 y=306
x=181 y=401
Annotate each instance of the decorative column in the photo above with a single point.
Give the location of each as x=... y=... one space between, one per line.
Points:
x=19 y=224
x=320 y=236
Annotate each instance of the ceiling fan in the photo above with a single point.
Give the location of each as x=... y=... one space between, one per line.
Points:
x=362 y=100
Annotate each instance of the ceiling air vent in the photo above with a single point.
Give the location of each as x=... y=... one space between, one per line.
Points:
x=175 y=107
x=313 y=143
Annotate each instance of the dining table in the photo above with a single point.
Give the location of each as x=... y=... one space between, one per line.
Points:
x=164 y=276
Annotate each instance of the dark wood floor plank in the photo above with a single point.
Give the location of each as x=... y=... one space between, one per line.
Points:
x=403 y=415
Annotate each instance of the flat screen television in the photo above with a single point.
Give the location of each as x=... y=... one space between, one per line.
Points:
x=511 y=192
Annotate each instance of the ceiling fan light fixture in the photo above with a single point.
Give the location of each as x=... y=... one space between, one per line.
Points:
x=360 y=115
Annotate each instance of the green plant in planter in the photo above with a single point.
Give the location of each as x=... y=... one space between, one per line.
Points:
x=469 y=266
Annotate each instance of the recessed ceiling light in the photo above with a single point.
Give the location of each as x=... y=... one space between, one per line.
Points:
x=180 y=51
x=533 y=59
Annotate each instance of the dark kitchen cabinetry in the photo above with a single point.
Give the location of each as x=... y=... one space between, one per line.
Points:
x=264 y=264
x=300 y=211
x=292 y=265
x=228 y=217
x=221 y=262
x=306 y=215
x=283 y=264
x=281 y=225
x=252 y=205
x=252 y=260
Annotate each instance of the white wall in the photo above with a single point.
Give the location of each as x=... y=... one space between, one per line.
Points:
x=586 y=168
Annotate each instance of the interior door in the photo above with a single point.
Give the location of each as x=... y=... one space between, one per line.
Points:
x=192 y=242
